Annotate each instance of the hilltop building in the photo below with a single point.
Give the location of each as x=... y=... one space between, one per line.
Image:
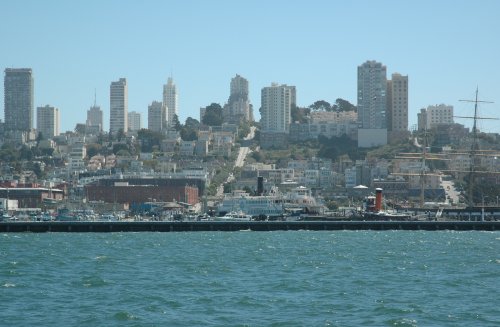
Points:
x=397 y=107
x=238 y=107
x=157 y=116
x=170 y=101
x=372 y=104
x=47 y=121
x=134 y=121
x=94 y=118
x=118 y=104
x=18 y=99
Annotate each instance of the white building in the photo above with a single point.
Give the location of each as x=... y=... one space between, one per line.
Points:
x=118 y=103
x=134 y=121
x=47 y=121
x=156 y=116
x=170 y=100
x=434 y=115
x=276 y=104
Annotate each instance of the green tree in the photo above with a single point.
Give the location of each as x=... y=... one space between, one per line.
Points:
x=321 y=105
x=299 y=114
x=192 y=123
x=213 y=115
x=177 y=123
x=93 y=149
x=343 y=105
x=148 y=139
x=188 y=134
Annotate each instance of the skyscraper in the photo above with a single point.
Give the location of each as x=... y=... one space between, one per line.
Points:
x=397 y=103
x=18 y=99
x=238 y=107
x=170 y=100
x=156 y=116
x=276 y=104
x=118 y=119
x=134 y=121
x=372 y=104
x=94 y=117
x=47 y=121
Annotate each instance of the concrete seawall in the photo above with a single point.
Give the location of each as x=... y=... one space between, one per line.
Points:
x=106 y=227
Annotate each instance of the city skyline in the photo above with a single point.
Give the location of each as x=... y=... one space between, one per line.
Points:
x=444 y=58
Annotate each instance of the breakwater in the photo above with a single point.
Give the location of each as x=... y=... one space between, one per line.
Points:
x=143 y=226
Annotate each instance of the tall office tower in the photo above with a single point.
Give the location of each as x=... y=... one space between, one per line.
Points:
x=94 y=117
x=18 y=99
x=134 y=121
x=435 y=115
x=276 y=104
x=47 y=121
x=238 y=107
x=156 y=116
x=372 y=104
x=118 y=103
x=170 y=100
x=397 y=103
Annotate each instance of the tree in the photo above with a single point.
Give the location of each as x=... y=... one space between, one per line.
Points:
x=93 y=149
x=177 y=123
x=192 y=123
x=299 y=114
x=188 y=134
x=213 y=115
x=343 y=105
x=321 y=105
x=147 y=139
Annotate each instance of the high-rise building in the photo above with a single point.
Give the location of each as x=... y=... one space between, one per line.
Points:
x=134 y=121
x=238 y=107
x=47 y=121
x=372 y=104
x=18 y=99
x=94 y=117
x=170 y=100
x=397 y=103
x=156 y=116
x=372 y=87
x=118 y=118
x=276 y=104
x=435 y=115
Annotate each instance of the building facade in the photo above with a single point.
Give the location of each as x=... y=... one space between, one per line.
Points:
x=170 y=100
x=134 y=121
x=18 y=99
x=435 y=115
x=238 y=107
x=397 y=103
x=276 y=103
x=372 y=104
x=94 y=117
x=47 y=121
x=156 y=116
x=118 y=119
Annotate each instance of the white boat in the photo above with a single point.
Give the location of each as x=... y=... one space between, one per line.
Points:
x=234 y=216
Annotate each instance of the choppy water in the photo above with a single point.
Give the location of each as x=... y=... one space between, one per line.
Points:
x=366 y=278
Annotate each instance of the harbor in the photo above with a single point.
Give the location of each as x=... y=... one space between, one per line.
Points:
x=224 y=226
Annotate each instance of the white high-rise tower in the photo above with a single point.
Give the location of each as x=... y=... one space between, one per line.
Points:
x=170 y=100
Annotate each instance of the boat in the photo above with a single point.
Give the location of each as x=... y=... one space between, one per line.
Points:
x=373 y=209
x=234 y=216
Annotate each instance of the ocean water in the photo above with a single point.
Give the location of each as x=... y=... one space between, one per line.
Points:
x=342 y=278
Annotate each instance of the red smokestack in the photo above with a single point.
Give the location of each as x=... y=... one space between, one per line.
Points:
x=378 y=199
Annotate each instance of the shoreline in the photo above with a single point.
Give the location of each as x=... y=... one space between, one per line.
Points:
x=204 y=226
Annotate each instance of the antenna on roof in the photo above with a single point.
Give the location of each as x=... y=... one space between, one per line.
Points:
x=95 y=96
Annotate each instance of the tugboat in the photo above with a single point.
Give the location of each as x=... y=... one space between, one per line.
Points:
x=373 y=209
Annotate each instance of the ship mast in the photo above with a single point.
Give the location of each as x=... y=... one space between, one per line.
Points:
x=474 y=146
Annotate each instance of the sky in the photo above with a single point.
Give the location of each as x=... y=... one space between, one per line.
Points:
x=75 y=48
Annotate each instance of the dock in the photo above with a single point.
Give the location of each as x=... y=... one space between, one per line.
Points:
x=204 y=226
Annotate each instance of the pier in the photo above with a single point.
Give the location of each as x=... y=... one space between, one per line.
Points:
x=204 y=226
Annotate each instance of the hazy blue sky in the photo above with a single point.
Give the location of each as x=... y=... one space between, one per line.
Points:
x=447 y=48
